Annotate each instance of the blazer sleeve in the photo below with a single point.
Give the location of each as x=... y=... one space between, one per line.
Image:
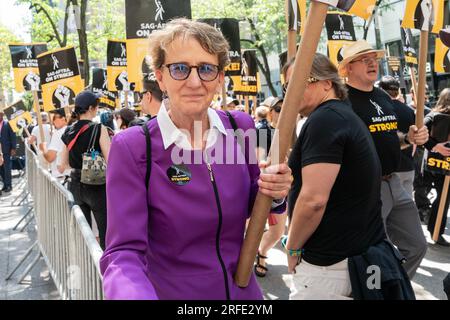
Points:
x=12 y=137
x=124 y=264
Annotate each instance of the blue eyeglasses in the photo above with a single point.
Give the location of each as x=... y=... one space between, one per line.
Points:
x=181 y=71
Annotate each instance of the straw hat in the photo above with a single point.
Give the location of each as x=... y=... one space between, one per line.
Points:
x=353 y=51
x=444 y=34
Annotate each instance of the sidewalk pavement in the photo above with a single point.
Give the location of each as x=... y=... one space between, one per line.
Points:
x=427 y=283
x=37 y=284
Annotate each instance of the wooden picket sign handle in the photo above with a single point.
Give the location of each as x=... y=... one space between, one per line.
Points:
x=291 y=44
x=38 y=114
x=423 y=52
x=125 y=102
x=291 y=36
x=282 y=138
x=440 y=214
x=413 y=84
x=247 y=104
x=224 y=97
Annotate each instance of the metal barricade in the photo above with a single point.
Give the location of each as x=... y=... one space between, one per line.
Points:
x=65 y=239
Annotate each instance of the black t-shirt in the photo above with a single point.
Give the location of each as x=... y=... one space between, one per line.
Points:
x=352 y=218
x=82 y=143
x=264 y=133
x=376 y=110
x=405 y=118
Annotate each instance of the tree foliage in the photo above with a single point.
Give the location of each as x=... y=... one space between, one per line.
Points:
x=263 y=24
x=99 y=20
x=6 y=36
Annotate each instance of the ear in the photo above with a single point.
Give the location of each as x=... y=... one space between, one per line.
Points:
x=328 y=85
x=159 y=79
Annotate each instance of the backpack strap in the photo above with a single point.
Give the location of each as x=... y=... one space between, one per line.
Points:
x=237 y=133
x=148 y=143
x=83 y=129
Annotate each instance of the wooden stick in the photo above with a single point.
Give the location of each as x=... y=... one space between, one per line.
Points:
x=255 y=104
x=282 y=138
x=224 y=97
x=440 y=214
x=413 y=84
x=125 y=92
x=38 y=114
x=291 y=35
x=292 y=44
x=422 y=78
x=68 y=113
x=247 y=107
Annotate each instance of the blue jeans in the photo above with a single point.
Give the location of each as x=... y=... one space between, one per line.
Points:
x=5 y=171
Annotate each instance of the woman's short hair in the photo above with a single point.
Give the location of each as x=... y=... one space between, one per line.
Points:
x=323 y=69
x=127 y=115
x=209 y=38
x=443 y=104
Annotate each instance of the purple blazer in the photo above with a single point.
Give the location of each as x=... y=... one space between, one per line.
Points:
x=187 y=245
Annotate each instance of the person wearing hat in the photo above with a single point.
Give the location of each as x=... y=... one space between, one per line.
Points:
x=151 y=97
x=78 y=137
x=52 y=150
x=360 y=68
x=7 y=150
x=231 y=103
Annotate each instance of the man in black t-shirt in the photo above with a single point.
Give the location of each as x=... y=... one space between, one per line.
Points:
x=375 y=108
x=405 y=118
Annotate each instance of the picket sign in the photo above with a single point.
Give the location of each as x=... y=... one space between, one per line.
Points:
x=282 y=138
x=445 y=37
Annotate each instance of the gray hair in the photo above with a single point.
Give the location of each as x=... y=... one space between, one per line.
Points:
x=209 y=38
x=324 y=69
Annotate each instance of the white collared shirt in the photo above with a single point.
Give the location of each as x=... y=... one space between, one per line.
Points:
x=172 y=135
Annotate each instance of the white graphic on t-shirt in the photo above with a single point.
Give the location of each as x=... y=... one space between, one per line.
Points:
x=377 y=107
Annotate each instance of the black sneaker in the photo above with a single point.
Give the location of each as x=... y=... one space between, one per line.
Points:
x=442 y=242
x=7 y=190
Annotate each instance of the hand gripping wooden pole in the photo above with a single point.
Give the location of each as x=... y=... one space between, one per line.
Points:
x=440 y=214
x=423 y=52
x=38 y=114
x=282 y=137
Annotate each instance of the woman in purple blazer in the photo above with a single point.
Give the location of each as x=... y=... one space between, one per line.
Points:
x=181 y=238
